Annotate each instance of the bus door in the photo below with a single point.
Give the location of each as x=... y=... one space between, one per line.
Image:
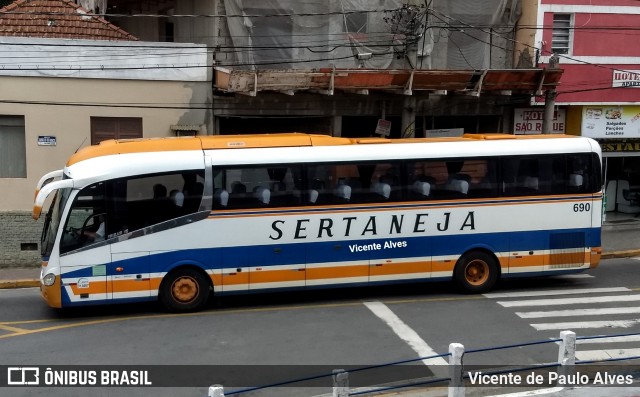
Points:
x=84 y=254
x=83 y=276
x=277 y=266
x=128 y=275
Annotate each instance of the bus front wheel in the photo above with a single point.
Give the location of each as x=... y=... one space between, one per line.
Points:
x=184 y=290
x=476 y=272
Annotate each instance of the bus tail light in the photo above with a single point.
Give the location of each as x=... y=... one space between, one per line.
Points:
x=596 y=254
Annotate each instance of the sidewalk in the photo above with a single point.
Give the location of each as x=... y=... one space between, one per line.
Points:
x=620 y=239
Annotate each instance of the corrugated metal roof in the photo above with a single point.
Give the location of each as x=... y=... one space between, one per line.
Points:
x=530 y=81
x=56 y=19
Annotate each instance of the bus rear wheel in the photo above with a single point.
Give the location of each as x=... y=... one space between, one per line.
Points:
x=184 y=290
x=476 y=272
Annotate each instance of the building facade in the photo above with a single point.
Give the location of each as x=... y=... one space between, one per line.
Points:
x=353 y=68
x=61 y=93
x=599 y=92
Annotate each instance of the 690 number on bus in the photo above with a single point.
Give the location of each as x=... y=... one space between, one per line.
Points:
x=582 y=207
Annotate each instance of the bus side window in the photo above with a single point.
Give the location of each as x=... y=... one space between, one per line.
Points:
x=147 y=200
x=579 y=175
x=320 y=181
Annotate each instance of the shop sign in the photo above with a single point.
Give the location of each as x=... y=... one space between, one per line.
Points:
x=627 y=145
x=626 y=78
x=529 y=121
x=611 y=121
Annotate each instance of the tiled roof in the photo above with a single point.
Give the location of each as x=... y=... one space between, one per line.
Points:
x=56 y=19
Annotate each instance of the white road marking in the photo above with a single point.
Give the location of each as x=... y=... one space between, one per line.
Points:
x=580 y=312
x=405 y=333
x=599 y=355
x=570 y=301
x=586 y=324
x=538 y=392
x=520 y=294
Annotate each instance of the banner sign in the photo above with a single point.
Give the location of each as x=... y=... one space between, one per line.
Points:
x=611 y=121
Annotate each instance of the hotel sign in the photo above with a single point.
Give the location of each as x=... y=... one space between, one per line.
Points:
x=626 y=78
x=529 y=121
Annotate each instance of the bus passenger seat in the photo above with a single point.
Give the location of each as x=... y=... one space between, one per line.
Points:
x=531 y=182
x=575 y=180
x=382 y=189
x=262 y=194
x=177 y=197
x=422 y=188
x=459 y=185
x=313 y=196
x=343 y=191
x=221 y=197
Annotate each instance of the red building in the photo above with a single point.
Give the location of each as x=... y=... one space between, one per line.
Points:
x=596 y=42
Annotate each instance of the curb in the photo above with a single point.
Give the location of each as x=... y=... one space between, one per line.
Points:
x=620 y=254
x=9 y=284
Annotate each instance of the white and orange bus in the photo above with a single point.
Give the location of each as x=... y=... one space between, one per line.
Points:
x=177 y=219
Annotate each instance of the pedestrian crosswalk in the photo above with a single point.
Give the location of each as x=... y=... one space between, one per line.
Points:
x=588 y=312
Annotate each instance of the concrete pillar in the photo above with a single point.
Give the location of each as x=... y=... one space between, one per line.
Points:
x=340 y=383
x=456 y=384
x=567 y=353
x=216 y=391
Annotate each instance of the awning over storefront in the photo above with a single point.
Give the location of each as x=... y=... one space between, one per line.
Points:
x=327 y=81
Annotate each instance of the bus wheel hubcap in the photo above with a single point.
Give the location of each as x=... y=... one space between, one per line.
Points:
x=477 y=272
x=185 y=289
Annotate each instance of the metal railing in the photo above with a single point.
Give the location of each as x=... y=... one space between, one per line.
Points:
x=455 y=377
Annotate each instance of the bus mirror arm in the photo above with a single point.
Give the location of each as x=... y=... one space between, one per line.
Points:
x=44 y=193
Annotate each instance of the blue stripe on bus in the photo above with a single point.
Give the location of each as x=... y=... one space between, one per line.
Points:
x=339 y=250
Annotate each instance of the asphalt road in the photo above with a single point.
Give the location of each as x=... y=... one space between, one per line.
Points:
x=284 y=336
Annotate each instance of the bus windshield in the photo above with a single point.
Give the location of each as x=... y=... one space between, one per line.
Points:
x=52 y=221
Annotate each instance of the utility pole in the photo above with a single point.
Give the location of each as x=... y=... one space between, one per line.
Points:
x=410 y=20
x=550 y=99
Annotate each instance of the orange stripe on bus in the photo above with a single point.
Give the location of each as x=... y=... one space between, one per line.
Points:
x=320 y=273
x=443 y=266
x=272 y=276
x=386 y=269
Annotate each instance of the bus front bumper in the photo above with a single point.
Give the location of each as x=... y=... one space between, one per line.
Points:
x=52 y=294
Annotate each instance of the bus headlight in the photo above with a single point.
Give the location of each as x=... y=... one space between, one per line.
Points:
x=49 y=279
